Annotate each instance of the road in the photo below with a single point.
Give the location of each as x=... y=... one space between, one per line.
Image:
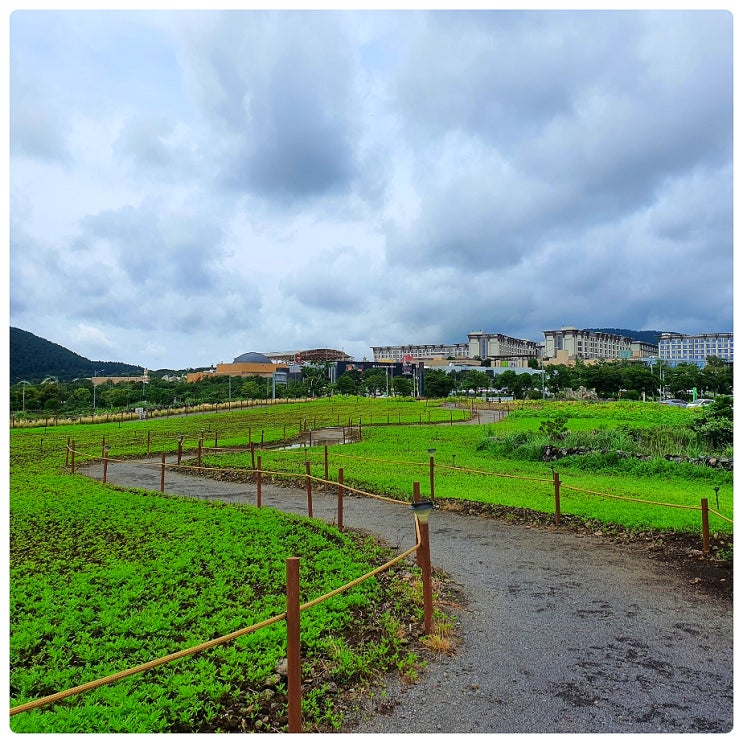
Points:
x=561 y=633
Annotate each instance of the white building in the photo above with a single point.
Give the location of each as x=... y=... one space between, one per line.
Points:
x=679 y=348
x=420 y=351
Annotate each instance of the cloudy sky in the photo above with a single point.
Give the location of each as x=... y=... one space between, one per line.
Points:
x=187 y=186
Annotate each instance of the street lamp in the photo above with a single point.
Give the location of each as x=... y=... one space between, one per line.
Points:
x=92 y=379
x=23 y=394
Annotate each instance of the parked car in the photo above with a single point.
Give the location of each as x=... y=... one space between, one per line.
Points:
x=701 y=402
x=677 y=403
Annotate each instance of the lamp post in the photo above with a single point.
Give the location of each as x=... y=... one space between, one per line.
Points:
x=92 y=379
x=422 y=510
x=23 y=394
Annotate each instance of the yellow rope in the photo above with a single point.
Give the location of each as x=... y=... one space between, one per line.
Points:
x=210 y=643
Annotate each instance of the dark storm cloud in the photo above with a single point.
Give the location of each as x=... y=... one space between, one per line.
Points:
x=283 y=97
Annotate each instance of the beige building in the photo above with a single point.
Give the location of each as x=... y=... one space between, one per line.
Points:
x=145 y=378
x=567 y=345
x=246 y=365
x=502 y=348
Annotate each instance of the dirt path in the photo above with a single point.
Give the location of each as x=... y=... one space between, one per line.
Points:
x=561 y=632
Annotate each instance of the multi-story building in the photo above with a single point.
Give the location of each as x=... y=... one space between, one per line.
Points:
x=679 y=348
x=420 y=351
x=502 y=348
x=568 y=344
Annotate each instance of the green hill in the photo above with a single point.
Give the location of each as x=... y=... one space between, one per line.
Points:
x=648 y=336
x=34 y=359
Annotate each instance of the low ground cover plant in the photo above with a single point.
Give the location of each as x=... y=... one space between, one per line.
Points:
x=501 y=464
x=103 y=579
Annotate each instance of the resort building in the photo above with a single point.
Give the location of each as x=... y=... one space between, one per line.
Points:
x=502 y=349
x=567 y=345
x=678 y=348
x=392 y=354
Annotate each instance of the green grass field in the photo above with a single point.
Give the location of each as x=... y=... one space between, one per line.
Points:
x=103 y=579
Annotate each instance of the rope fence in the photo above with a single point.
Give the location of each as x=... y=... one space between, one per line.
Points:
x=293 y=639
x=308 y=479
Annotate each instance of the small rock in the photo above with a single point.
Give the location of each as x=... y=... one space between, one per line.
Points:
x=272 y=681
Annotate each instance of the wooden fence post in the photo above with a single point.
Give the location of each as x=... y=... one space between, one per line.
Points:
x=105 y=464
x=705 y=526
x=309 y=489
x=340 y=499
x=293 y=657
x=423 y=555
x=259 y=484
x=198 y=455
x=556 y=481
x=431 y=468
x=252 y=455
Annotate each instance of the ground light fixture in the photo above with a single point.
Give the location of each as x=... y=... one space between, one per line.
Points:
x=422 y=510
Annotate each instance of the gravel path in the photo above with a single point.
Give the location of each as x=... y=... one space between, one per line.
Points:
x=561 y=633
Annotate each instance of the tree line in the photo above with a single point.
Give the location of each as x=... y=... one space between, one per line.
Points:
x=605 y=380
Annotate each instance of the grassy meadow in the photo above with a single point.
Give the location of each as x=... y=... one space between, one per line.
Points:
x=102 y=578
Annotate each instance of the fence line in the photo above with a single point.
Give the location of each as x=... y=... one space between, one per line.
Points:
x=113 y=678
x=277 y=473
x=629 y=498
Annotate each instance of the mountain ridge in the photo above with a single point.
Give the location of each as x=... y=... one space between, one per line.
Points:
x=34 y=358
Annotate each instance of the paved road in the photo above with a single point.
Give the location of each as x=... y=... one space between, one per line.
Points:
x=561 y=633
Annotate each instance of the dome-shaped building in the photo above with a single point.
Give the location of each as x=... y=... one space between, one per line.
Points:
x=251 y=364
x=252 y=357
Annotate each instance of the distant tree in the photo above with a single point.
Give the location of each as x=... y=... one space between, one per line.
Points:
x=402 y=386
x=559 y=377
x=681 y=379
x=717 y=376
x=475 y=380
x=437 y=383
x=638 y=378
x=346 y=385
x=252 y=390
x=315 y=378
x=375 y=381
x=507 y=381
